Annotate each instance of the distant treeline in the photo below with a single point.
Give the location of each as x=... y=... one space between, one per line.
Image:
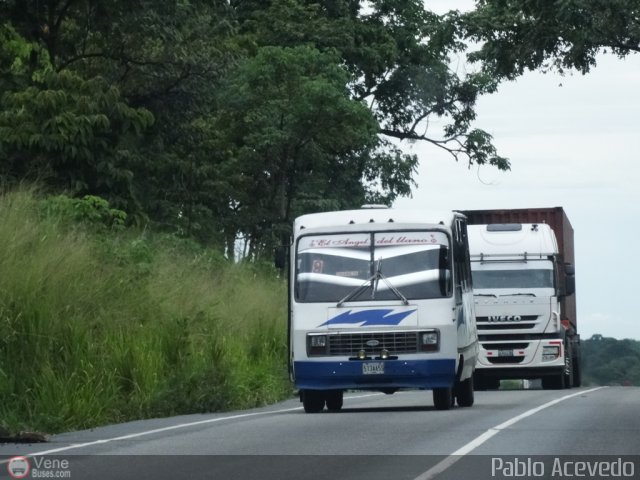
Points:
x=608 y=361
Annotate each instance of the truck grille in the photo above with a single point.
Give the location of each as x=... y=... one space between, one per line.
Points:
x=348 y=344
x=525 y=322
x=504 y=346
x=503 y=360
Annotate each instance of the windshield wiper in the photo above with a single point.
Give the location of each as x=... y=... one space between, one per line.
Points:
x=485 y=295
x=379 y=276
x=519 y=294
x=356 y=292
x=373 y=282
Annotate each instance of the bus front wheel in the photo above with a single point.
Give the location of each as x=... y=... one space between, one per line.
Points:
x=443 y=398
x=312 y=401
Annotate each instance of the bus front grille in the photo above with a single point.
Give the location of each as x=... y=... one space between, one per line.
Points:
x=349 y=344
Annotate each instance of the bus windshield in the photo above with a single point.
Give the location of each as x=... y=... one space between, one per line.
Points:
x=331 y=267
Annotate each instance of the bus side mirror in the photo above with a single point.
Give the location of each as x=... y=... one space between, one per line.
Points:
x=444 y=277
x=280 y=257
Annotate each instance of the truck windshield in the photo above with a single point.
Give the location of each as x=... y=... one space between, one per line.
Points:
x=513 y=278
x=330 y=267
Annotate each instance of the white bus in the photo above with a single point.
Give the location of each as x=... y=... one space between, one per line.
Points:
x=381 y=299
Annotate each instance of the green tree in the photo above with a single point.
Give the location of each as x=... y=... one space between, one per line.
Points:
x=394 y=60
x=163 y=57
x=293 y=131
x=352 y=80
x=398 y=55
x=74 y=134
x=520 y=35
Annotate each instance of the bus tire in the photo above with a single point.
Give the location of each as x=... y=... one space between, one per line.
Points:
x=443 y=398
x=313 y=401
x=464 y=392
x=334 y=400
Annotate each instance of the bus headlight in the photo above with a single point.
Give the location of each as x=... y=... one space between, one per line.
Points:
x=430 y=341
x=316 y=345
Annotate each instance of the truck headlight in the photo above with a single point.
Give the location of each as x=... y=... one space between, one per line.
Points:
x=316 y=345
x=550 y=352
x=430 y=341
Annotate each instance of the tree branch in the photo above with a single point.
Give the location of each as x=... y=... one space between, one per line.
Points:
x=141 y=99
x=626 y=46
x=455 y=152
x=116 y=58
x=63 y=13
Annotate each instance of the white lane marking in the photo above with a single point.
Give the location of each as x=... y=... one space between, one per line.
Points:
x=172 y=427
x=479 y=440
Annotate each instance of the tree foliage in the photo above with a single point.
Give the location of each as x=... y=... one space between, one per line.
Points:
x=54 y=125
x=520 y=35
x=290 y=127
x=224 y=120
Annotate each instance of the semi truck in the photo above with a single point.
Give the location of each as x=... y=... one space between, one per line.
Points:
x=522 y=262
x=380 y=299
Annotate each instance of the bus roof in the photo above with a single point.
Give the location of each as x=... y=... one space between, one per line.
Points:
x=374 y=216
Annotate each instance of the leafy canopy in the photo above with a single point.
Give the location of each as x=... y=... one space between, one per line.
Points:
x=520 y=35
x=224 y=120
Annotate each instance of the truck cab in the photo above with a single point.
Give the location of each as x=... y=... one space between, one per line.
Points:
x=519 y=284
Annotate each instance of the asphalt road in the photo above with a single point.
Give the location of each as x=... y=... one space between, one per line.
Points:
x=374 y=436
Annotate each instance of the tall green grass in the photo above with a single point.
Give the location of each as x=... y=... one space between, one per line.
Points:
x=101 y=325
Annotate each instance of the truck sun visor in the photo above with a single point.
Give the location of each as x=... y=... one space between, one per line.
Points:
x=504 y=227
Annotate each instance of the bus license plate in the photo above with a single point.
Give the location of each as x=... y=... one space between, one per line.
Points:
x=505 y=353
x=373 y=368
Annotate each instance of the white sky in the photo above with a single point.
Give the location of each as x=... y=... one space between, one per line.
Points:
x=574 y=142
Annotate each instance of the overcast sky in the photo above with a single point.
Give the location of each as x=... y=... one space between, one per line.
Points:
x=573 y=141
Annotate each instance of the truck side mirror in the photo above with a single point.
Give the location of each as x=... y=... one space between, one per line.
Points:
x=280 y=257
x=570 y=285
x=570 y=279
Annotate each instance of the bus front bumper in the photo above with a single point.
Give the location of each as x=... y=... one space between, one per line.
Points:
x=374 y=374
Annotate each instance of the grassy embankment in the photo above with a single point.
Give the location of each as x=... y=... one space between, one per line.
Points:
x=100 y=326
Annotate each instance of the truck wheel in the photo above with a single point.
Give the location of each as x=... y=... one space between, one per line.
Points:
x=334 y=400
x=568 y=366
x=313 y=401
x=464 y=392
x=554 y=382
x=486 y=383
x=443 y=398
x=481 y=383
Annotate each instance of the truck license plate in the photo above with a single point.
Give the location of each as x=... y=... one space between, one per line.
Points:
x=505 y=353
x=373 y=368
